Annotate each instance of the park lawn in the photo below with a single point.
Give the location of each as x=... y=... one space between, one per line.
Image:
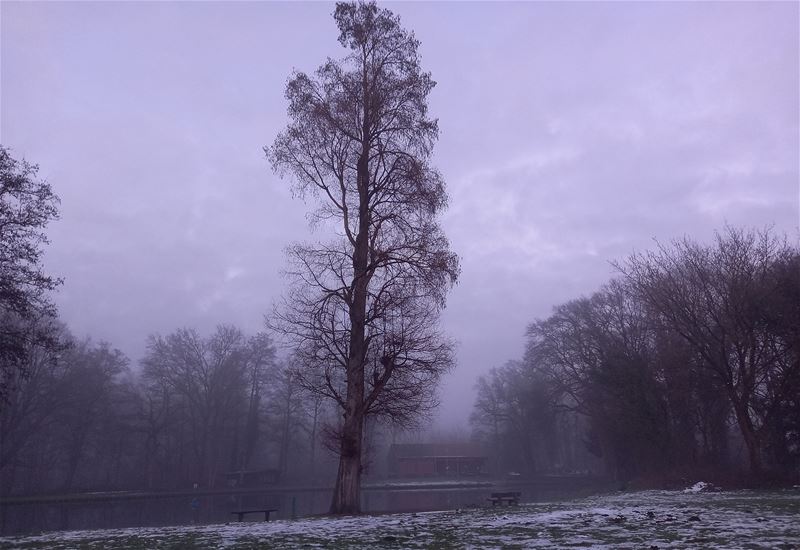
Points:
x=647 y=519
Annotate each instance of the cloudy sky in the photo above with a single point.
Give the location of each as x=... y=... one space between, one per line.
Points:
x=571 y=134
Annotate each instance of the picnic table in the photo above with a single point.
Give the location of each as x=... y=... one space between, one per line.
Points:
x=511 y=497
x=266 y=511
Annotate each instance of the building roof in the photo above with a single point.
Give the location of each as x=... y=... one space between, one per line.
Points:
x=441 y=450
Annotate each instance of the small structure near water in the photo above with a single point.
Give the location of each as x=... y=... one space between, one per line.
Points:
x=431 y=460
x=251 y=478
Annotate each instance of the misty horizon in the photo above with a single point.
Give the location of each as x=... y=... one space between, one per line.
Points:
x=570 y=136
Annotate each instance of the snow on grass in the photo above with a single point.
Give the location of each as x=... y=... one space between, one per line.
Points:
x=652 y=519
x=698 y=487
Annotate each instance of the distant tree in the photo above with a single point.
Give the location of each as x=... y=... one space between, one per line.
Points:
x=516 y=412
x=68 y=424
x=363 y=309
x=32 y=406
x=90 y=426
x=657 y=366
x=314 y=411
x=489 y=413
x=602 y=354
x=205 y=388
x=27 y=205
x=260 y=362
x=782 y=311
x=296 y=418
x=727 y=302
x=285 y=410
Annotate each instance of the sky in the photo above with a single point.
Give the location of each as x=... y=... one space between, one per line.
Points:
x=571 y=134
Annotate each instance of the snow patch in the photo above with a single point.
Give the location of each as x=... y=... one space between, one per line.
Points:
x=698 y=487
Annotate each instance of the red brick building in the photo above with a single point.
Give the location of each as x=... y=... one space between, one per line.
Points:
x=415 y=460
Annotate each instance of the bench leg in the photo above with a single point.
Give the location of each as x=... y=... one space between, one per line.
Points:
x=240 y=516
x=266 y=515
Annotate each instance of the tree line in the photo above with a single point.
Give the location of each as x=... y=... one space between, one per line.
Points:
x=687 y=363
x=78 y=418
x=75 y=416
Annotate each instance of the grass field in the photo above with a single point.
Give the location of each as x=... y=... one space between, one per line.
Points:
x=649 y=519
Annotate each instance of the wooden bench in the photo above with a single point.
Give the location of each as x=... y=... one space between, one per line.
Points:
x=266 y=511
x=509 y=498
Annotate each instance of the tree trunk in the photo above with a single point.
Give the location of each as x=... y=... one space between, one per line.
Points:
x=347 y=492
x=313 y=444
x=750 y=437
x=251 y=428
x=283 y=458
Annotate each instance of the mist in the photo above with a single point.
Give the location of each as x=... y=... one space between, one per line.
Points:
x=571 y=137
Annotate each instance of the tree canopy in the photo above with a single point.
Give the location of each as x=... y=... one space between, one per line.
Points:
x=27 y=205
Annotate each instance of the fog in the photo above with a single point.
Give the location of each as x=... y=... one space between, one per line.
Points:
x=571 y=135
x=622 y=219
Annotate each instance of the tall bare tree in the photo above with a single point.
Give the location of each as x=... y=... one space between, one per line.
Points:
x=363 y=309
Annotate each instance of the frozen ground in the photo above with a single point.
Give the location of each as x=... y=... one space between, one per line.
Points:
x=651 y=519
